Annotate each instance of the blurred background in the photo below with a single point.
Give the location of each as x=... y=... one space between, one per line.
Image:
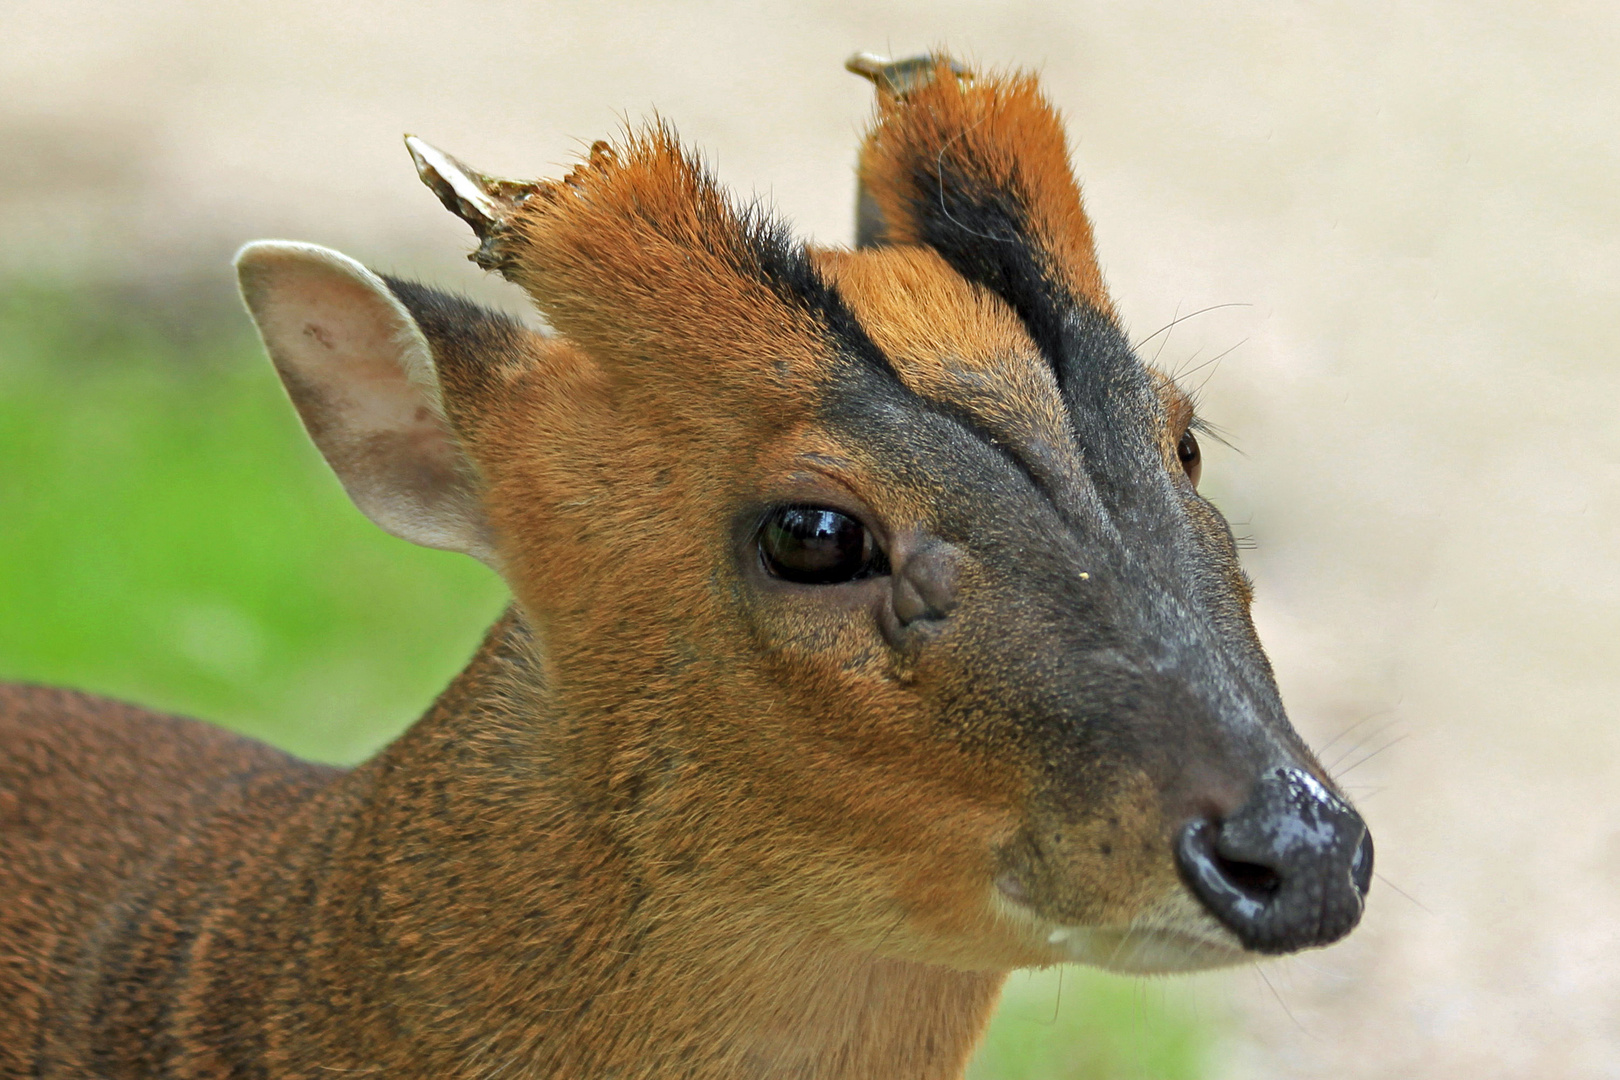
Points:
x=1404 y=218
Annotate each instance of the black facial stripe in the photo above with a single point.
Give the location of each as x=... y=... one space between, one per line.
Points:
x=1069 y=329
x=964 y=419
x=783 y=266
x=984 y=234
x=962 y=470
x=795 y=277
x=1112 y=403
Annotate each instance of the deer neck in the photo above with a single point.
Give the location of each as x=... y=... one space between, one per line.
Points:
x=500 y=899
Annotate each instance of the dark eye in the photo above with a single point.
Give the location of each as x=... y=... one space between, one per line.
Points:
x=1192 y=458
x=812 y=545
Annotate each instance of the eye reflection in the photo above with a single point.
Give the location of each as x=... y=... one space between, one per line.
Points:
x=816 y=545
x=1192 y=458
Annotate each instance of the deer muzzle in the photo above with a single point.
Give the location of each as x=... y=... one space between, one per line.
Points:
x=1289 y=869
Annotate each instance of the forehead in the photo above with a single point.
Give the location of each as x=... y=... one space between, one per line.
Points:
x=952 y=342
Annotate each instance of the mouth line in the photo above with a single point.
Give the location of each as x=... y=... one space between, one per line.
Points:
x=1147 y=948
x=1173 y=933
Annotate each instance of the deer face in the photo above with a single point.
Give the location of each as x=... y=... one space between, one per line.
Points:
x=873 y=593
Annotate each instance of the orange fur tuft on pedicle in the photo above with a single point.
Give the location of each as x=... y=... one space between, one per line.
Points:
x=640 y=259
x=1003 y=135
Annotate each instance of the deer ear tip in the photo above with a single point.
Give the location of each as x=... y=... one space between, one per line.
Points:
x=256 y=263
x=258 y=258
x=255 y=253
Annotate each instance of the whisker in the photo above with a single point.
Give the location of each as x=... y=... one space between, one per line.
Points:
x=1258 y=970
x=1180 y=318
x=1212 y=371
x=900 y=921
x=1397 y=739
x=1196 y=354
x=939 y=172
x=1352 y=727
x=1123 y=941
x=1174 y=319
x=1421 y=906
x=1057 y=1002
x=1216 y=359
x=1363 y=741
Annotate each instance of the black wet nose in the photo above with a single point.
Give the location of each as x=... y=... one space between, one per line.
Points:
x=1288 y=870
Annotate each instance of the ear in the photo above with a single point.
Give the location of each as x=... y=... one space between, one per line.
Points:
x=359 y=370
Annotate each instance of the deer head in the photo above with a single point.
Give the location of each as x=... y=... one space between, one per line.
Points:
x=871 y=591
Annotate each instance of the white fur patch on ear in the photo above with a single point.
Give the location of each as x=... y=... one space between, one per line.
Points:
x=360 y=372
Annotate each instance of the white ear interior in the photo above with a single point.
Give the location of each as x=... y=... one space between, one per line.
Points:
x=360 y=372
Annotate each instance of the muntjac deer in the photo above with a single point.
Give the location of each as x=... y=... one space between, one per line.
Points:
x=869 y=639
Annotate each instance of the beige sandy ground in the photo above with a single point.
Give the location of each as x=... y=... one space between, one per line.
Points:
x=1418 y=203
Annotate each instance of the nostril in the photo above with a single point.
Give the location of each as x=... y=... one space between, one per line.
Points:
x=1237 y=892
x=1258 y=881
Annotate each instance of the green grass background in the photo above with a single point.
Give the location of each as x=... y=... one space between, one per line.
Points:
x=168 y=535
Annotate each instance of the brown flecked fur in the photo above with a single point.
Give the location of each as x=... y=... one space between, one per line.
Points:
x=673 y=820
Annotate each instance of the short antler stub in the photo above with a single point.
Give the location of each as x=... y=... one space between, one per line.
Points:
x=484 y=202
x=899 y=77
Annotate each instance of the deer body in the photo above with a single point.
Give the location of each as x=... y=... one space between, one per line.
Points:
x=868 y=640
x=226 y=926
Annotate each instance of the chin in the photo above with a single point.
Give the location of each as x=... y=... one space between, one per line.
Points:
x=1174 y=935
x=1146 y=950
